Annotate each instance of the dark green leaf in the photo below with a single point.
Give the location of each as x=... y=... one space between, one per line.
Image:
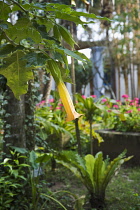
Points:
x=43 y=158
x=35 y=59
x=66 y=36
x=23 y=23
x=18 y=34
x=56 y=32
x=4 y=10
x=6 y=49
x=20 y=150
x=32 y=159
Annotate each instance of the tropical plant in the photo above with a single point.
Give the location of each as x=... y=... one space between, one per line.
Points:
x=121 y=115
x=22 y=182
x=52 y=128
x=91 y=111
x=13 y=181
x=94 y=172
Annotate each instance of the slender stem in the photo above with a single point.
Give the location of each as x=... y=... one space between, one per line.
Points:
x=91 y=137
x=73 y=92
x=78 y=136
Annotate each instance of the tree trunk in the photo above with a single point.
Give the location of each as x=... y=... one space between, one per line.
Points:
x=14 y=131
x=112 y=64
x=18 y=119
x=126 y=80
x=138 y=88
x=29 y=118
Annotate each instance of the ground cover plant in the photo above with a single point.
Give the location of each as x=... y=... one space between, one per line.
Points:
x=123 y=191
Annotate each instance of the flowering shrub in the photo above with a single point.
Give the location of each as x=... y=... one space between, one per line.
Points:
x=121 y=116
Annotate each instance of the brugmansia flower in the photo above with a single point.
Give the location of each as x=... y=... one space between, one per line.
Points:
x=54 y=68
x=67 y=102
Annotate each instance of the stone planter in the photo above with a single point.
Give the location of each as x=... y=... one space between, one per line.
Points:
x=115 y=142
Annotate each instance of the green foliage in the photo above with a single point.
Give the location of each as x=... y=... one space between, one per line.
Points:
x=121 y=116
x=66 y=36
x=12 y=182
x=94 y=172
x=32 y=33
x=54 y=132
x=123 y=191
x=88 y=107
x=21 y=181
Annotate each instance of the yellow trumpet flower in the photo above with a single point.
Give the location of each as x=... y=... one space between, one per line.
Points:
x=67 y=102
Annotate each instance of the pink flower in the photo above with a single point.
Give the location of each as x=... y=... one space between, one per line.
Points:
x=93 y=96
x=41 y=103
x=129 y=111
x=58 y=107
x=104 y=100
x=127 y=100
x=117 y=100
x=136 y=99
x=83 y=96
x=116 y=106
x=51 y=100
x=138 y=109
x=60 y=104
x=125 y=96
x=108 y=110
x=132 y=104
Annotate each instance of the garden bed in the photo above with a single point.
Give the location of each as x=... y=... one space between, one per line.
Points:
x=122 y=192
x=115 y=142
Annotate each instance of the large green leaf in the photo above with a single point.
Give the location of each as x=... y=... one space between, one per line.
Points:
x=35 y=59
x=17 y=73
x=71 y=53
x=32 y=159
x=19 y=33
x=53 y=66
x=112 y=167
x=43 y=158
x=98 y=170
x=23 y=23
x=56 y=32
x=90 y=160
x=66 y=36
x=20 y=150
x=5 y=10
x=7 y=49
